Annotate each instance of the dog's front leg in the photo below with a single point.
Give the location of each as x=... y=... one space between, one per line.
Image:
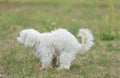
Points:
x=46 y=61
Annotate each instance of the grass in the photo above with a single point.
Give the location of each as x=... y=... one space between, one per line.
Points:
x=102 y=17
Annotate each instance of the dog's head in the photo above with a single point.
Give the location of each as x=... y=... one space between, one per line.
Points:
x=28 y=37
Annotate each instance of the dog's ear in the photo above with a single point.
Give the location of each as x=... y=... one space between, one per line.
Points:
x=31 y=39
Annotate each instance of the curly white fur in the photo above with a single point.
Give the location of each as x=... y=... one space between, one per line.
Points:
x=59 y=45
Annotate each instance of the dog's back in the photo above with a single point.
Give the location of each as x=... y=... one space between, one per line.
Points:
x=64 y=40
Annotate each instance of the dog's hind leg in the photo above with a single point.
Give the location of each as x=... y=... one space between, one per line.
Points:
x=65 y=59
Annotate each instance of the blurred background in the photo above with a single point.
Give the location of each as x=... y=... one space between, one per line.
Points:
x=102 y=17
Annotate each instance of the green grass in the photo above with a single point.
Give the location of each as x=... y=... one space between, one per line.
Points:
x=102 y=17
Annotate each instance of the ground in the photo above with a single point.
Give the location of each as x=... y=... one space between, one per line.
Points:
x=100 y=16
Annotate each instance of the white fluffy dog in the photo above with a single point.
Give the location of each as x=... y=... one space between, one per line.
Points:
x=58 y=46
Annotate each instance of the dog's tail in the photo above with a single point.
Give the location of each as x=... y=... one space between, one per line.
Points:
x=87 y=40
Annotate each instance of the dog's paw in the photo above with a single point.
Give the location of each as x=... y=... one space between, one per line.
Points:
x=59 y=68
x=62 y=68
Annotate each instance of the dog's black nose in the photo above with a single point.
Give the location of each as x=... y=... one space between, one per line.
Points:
x=18 y=35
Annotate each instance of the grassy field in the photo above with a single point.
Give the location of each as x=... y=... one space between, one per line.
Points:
x=100 y=16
